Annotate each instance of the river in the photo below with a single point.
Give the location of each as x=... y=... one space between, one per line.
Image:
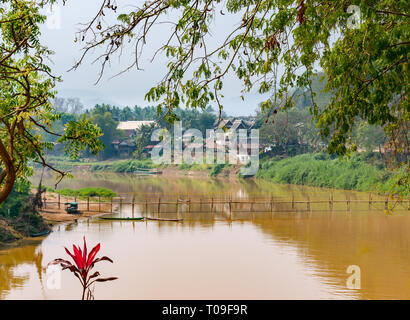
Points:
x=287 y=254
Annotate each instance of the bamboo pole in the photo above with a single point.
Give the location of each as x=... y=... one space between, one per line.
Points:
x=159 y=207
x=99 y=204
x=230 y=209
x=88 y=203
x=293 y=201
x=58 y=201
x=111 y=205
x=308 y=204
x=333 y=203
x=370 y=201
x=212 y=209
x=120 y=204
x=177 y=209
x=348 y=204
x=133 y=204
x=212 y=205
x=177 y=204
x=330 y=202
x=271 y=207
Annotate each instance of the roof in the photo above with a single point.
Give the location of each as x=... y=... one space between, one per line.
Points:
x=224 y=122
x=128 y=143
x=241 y=124
x=234 y=124
x=133 y=125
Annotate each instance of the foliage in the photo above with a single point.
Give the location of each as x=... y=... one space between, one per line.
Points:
x=20 y=212
x=124 y=166
x=290 y=128
x=127 y=113
x=321 y=170
x=370 y=137
x=365 y=60
x=85 y=192
x=109 y=132
x=29 y=221
x=396 y=183
x=142 y=139
x=217 y=169
x=14 y=204
x=26 y=93
x=83 y=266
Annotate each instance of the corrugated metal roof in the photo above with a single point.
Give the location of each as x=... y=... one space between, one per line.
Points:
x=133 y=125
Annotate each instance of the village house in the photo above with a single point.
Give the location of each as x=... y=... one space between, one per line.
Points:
x=130 y=127
x=127 y=146
x=229 y=126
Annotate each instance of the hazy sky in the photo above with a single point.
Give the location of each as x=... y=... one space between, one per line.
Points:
x=129 y=88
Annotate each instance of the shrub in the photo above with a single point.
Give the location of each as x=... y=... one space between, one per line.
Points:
x=217 y=169
x=87 y=192
x=321 y=170
x=14 y=203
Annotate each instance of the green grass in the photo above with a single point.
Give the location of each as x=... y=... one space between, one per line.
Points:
x=217 y=169
x=124 y=166
x=213 y=169
x=85 y=192
x=321 y=170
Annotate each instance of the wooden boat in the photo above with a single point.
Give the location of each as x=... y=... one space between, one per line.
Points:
x=164 y=219
x=40 y=234
x=145 y=171
x=122 y=219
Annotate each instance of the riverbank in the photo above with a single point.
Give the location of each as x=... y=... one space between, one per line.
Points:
x=52 y=214
x=40 y=222
x=133 y=165
x=24 y=226
x=8 y=233
x=362 y=172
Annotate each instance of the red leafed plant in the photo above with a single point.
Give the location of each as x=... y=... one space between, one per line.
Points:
x=83 y=266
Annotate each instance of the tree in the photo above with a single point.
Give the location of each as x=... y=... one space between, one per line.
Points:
x=26 y=94
x=143 y=138
x=109 y=132
x=370 y=137
x=365 y=59
x=290 y=128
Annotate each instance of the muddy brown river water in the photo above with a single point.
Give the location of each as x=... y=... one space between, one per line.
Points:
x=289 y=254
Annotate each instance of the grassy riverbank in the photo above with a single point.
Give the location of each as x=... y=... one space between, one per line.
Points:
x=84 y=192
x=18 y=218
x=132 y=165
x=362 y=172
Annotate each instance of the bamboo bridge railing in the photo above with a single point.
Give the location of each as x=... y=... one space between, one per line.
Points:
x=162 y=204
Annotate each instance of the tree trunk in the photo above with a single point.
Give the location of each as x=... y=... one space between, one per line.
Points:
x=9 y=172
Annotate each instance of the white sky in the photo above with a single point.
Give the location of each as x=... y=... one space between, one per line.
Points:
x=131 y=87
